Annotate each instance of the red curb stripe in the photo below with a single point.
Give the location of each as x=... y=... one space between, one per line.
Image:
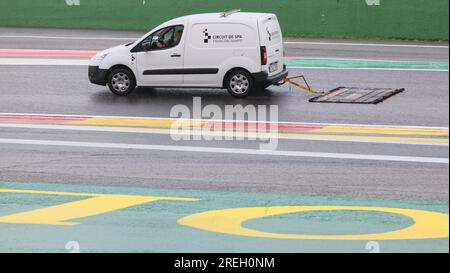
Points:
x=287 y=58
x=218 y=125
x=39 y=119
x=45 y=53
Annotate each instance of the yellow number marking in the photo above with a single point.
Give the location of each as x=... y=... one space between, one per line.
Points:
x=64 y=213
x=427 y=224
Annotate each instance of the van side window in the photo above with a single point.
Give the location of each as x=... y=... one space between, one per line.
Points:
x=163 y=39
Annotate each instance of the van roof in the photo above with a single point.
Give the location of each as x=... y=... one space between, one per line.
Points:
x=218 y=15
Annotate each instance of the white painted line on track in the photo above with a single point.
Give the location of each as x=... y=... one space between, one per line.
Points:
x=68 y=37
x=365 y=44
x=31 y=61
x=235 y=134
x=367 y=68
x=434 y=160
x=353 y=59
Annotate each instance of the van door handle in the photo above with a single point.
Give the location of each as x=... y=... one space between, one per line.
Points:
x=175 y=55
x=277 y=50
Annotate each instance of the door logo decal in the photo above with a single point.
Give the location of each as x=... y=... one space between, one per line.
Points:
x=270 y=34
x=273 y=34
x=222 y=38
x=207 y=36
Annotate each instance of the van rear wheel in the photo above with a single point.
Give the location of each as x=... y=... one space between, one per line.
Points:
x=239 y=83
x=121 y=82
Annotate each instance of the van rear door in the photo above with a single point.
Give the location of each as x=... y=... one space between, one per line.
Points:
x=271 y=38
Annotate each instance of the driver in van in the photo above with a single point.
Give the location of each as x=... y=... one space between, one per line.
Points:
x=173 y=42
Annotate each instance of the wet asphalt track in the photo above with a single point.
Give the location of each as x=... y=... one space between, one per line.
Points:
x=66 y=90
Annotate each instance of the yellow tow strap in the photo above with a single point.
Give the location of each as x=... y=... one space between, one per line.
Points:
x=306 y=88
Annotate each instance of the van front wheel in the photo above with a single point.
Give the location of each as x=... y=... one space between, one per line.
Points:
x=121 y=82
x=239 y=83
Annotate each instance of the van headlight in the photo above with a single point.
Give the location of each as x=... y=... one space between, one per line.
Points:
x=101 y=55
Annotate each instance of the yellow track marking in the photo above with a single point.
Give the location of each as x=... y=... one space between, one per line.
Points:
x=382 y=131
x=168 y=123
x=428 y=224
x=328 y=132
x=373 y=138
x=62 y=214
x=188 y=130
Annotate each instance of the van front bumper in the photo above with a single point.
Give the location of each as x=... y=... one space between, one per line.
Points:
x=263 y=78
x=97 y=75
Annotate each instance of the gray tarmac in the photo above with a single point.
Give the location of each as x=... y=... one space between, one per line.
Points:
x=66 y=90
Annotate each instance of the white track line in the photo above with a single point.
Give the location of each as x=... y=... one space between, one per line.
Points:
x=434 y=160
x=68 y=38
x=31 y=61
x=367 y=68
x=366 y=44
x=260 y=135
x=289 y=58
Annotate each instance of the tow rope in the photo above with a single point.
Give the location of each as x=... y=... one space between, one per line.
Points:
x=301 y=86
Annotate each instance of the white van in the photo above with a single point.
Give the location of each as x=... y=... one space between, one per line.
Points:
x=234 y=50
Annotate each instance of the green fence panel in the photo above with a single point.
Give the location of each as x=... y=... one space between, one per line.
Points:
x=400 y=19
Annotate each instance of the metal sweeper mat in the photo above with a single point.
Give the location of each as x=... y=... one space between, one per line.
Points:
x=354 y=95
x=357 y=95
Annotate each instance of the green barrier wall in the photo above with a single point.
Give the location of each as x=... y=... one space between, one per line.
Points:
x=401 y=19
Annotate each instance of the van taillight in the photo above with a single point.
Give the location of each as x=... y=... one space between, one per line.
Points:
x=263 y=55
